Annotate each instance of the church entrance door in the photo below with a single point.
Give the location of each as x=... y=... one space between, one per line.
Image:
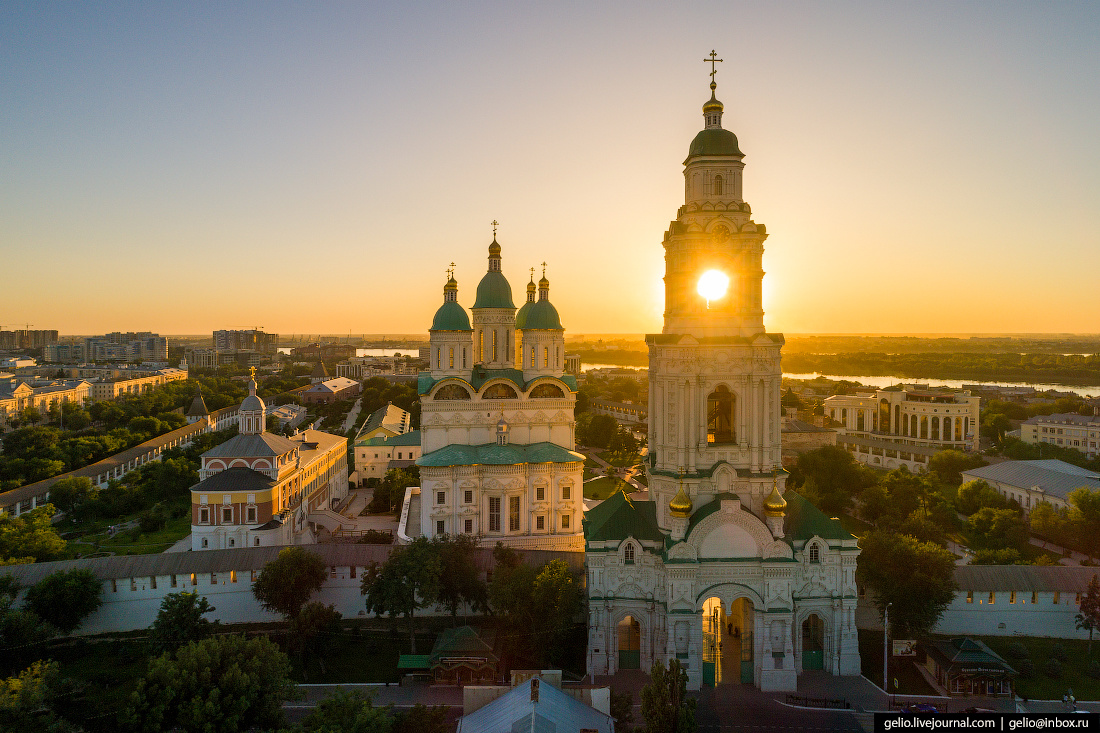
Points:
x=813 y=642
x=727 y=642
x=630 y=643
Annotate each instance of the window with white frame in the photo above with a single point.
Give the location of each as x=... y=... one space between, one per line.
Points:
x=494 y=513
x=628 y=553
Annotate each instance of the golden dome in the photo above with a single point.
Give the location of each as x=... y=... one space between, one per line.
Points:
x=494 y=248
x=680 y=506
x=775 y=504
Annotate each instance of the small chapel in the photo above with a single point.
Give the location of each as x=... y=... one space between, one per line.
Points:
x=723 y=568
x=497 y=421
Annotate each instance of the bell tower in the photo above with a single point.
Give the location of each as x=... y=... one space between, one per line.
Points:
x=714 y=371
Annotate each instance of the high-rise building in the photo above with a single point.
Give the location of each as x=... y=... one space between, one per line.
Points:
x=247 y=340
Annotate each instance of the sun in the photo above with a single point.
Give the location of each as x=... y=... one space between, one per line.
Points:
x=713 y=285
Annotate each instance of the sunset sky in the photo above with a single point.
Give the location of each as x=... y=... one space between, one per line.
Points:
x=315 y=167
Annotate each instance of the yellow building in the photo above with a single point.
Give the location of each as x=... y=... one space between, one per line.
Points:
x=257 y=488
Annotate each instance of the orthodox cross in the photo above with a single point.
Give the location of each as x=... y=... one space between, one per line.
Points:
x=451 y=272
x=252 y=372
x=543 y=269
x=712 y=61
x=494 y=228
x=532 y=274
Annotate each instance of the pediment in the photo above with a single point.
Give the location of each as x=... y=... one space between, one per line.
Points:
x=730 y=532
x=683 y=551
x=778 y=548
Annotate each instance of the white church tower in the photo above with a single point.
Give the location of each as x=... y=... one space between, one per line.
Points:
x=723 y=569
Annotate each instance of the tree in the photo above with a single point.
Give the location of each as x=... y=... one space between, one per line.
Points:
x=71 y=494
x=27 y=701
x=622 y=710
x=973 y=495
x=831 y=478
x=916 y=578
x=460 y=582
x=31 y=534
x=408 y=580
x=65 y=598
x=948 y=465
x=997 y=529
x=666 y=708
x=1089 y=617
x=348 y=712
x=422 y=719
x=286 y=583
x=312 y=631
x=1085 y=515
x=223 y=683
x=180 y=621
x=557 y=597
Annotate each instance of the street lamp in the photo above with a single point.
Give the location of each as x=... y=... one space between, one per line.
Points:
x=885 y=647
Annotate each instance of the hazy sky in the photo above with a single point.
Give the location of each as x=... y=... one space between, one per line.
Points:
x=306 y=167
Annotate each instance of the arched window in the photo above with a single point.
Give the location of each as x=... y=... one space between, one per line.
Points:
x=815 y=553
x=437 y=357
x=499 y=391
x=494 y=345
x=628 y=553
x=452 y=392
x=451 y=357
x=545 y=357
x=547 y=390
x=718 y=185
x=924 y=426
x=532 y=357
x=720 y=416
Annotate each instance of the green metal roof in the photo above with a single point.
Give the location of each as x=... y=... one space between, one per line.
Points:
x=491 y=454
x=804 y=521
x=521 y=314
x=494 y=291
x=619 y=517
x=543 y=315
x=714 y=141
x=451 y=317
x=414 y=661
x=410 y=438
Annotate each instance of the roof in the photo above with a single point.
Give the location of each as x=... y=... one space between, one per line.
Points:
x=410 y=438
x=521 y=314
x=804 y=520
x=491 y=454
x=198 y=406
x=319 y=370
x=252 y=445
x=494 y=291
x=1068 y=418
x=234 y=479
x=538 y=707
x=619 y=517
x=335 y=384
x=1054 y=477
x=798 y=426
x=886 y=444
x=414 y=661
x=389 y=415
x=966 y=656
x=542 y=316
x=1036 y=578
x=250 y=558
x=465 y=641
x=713 y=141
x=451 y=317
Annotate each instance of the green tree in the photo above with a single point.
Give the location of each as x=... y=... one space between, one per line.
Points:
x=348 y=712
x=1089 y=616
x=460 y=583
x=71 y=495
x=976 y=494
x=313 y=631
x=408 y=580
x=1007 y=556
x=830 y=478
x=286 y=583
x=558 y=597
x=180 y=620
x=916 y=578
x=30 y=535
x=948 y=465
x=65 y=598
x=1085 y=515
x=220 y=684
x=666 y=708
x=622 y=710
x=21 y=631
x=27 y=701
x=995 y=425
x=997 y=529
x=422 y=719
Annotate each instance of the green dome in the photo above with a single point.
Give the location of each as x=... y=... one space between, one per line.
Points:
x=521 y=314
x=542 y=316
x=451 y=317
x=714 y=141
x=494 y=291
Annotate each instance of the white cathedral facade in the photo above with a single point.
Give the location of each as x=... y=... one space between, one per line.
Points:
x=723 y=569
x=497 y=421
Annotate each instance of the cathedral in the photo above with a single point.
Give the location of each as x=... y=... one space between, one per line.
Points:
x=497 y=423
x=723 y=569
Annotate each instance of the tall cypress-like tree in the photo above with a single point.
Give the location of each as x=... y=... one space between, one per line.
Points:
x=666 y=708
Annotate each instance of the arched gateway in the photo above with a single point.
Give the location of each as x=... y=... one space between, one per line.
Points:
x=722 y=569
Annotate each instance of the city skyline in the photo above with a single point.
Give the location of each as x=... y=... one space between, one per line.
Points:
x=922 y=169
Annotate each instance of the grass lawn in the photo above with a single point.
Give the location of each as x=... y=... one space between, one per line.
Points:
x=640 y=477
x=124 y=543
x=362 y=655
x=910 y=681
x=601 y=488
x=1040 y=686
x=620 y=460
